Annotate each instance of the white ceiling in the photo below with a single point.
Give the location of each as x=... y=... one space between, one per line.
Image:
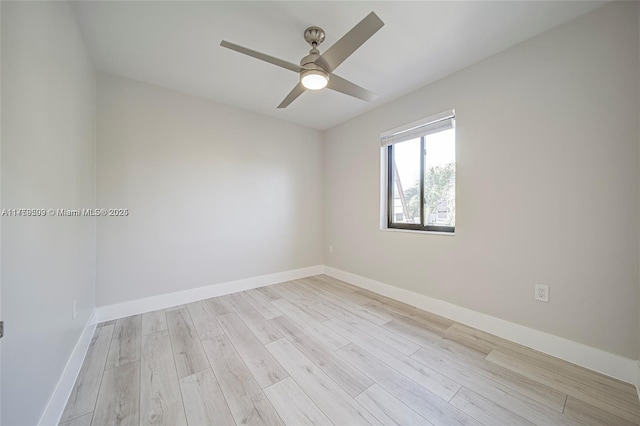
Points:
x=176 y=45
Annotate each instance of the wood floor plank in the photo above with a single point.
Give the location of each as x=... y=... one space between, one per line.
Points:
x=430 y=379
x=303 y=289
x=347 y=377
x=590 y=394
x=334 y=402
x=421 y=400
x=388 y=409
x=592 y=416
x=153 y=322
x=374 y=296
x=174 y=308
x=125 y=342
x=247 y=402
x=204 y=320
x=294 y=290
x=261 y=303
x=472 y=340
x=616 y=387
x=263 y=330
x=315 y=310
x=486 y=411
x=293 y=405
x=496 y=392
x=204 y=402
x=395 y=340
x=285 y=292
x=421 y=335
x=361 y=310
x=79 y=421
x=487 y=343
x=156 y=345
x=160 y=398
x=219 y=305
x=269 y=293
x=187 y=348
x=337 y=291
x=475 y=360
x=396 y=311
x=311 y=326
x=85 y=390
x=525 y=386
x=259 y=361
x=336 y=283
x=326 y=283
x=119 y=398
x=313 y=303
x=320 y=306
x=419 y=315
x=581 y=375
x=554 y=365
x=104 y=323
x=489 y=340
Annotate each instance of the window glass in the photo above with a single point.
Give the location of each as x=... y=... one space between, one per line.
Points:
x=406 y=182
x=420 y=176
x=440 y=178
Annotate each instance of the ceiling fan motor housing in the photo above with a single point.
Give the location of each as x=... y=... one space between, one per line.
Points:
x=309 y=62
x=311 y=69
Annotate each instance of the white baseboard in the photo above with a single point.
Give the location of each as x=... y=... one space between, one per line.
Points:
x=162 y=301
x=612 y=365
x=53 y=411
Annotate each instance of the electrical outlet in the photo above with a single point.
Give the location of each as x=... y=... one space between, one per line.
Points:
x=542 y=293
x=330 y=249
x=74 y=313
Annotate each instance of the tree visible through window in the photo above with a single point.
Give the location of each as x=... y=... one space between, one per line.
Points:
x=421 y=177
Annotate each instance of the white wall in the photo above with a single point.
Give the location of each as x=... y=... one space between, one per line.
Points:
x=547 y=186
x=215 y=194
x=48 y=161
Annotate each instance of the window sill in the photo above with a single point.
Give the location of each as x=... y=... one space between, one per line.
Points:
x=412 y=231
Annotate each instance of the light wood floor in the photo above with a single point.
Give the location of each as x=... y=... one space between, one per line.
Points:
x=320 y=351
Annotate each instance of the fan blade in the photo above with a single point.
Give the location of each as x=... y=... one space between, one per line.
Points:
x=292 y=96
x=343 y=48
x=262 y=56
x=341 y=85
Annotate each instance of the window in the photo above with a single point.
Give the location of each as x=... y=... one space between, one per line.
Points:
x=419 y=176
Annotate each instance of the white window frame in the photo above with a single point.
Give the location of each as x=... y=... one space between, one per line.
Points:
x=432 y=124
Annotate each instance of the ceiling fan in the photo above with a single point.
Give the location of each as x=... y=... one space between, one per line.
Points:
x=316 y=70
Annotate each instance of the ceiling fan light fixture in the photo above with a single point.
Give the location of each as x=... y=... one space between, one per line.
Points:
x=314 y=79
